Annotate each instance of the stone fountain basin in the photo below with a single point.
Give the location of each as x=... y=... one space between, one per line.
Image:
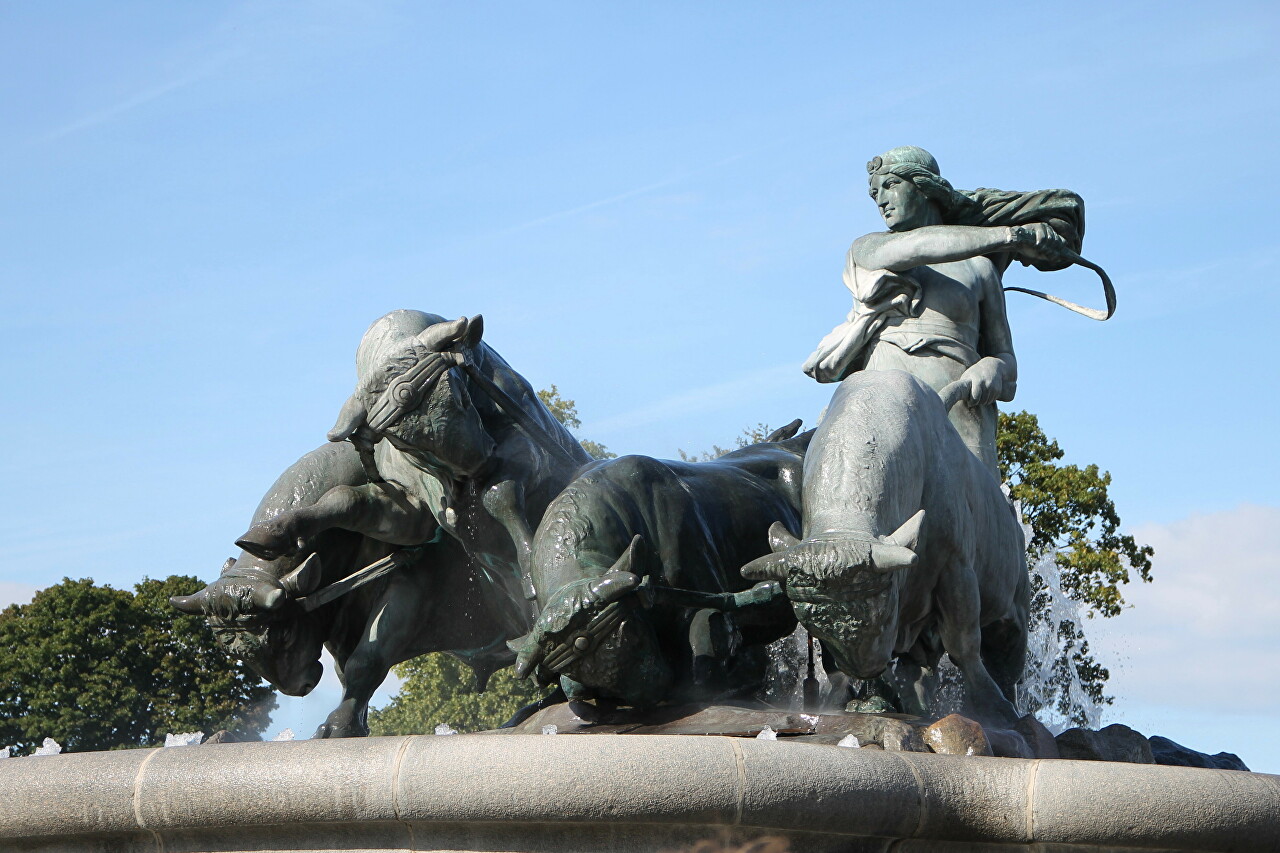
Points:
x=627 y=793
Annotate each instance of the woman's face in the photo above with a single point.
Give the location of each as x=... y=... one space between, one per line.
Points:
x=902 y=205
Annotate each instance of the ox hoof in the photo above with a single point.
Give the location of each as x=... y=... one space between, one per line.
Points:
x=267 y=544
x=328 y=730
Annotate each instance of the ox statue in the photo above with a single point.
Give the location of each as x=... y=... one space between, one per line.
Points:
x=909 y=546
x=635 y=566
x=410 y=533
x=452 y=440
x=276 y=614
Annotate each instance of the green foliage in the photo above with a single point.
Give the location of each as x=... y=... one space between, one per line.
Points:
x=439 y=688
x=566 y=412
x=1071 y=514
x=99 y=668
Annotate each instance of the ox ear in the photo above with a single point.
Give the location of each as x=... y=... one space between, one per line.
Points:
x=442 y=336
x=780 y=538
x=350 y=419
x=908 y=535
x=304 y=579
x=475 y=330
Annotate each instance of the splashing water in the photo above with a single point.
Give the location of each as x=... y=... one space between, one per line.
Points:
x=767 y=733
x=850 y=742
x=49 y=747
x=1050 y=687
x=183 y=739
x=287 y=734
x=788 y=666
x=551 y=729
x=445 y=729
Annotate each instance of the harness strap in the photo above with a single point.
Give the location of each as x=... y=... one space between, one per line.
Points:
x=1108 y=291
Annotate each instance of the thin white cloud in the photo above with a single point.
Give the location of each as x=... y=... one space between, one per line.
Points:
x=1205 y=634
x=106 y=114
x=583 y=208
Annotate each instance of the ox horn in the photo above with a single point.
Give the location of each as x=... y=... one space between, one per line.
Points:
x=475 y=330
x=898 y=549
x=529 y=653
x=440 y=336
x=780 y=538
x=624 y=575
x=304 y=579
x=908 y=535
x=350 y=418
x=787 y=432
x=193 y=604
x=614 y=585
x=770 y=567
x=634 y=559
x=891 y=558
x=267 y=599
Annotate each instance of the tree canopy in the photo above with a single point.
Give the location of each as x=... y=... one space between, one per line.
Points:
x=1071 y=515
x=100 y=668
x=439 y=689
x=566 y=412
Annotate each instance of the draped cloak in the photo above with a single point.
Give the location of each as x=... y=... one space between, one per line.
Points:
x=880 y=295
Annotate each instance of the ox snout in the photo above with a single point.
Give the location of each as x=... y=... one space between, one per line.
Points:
x=305 y=682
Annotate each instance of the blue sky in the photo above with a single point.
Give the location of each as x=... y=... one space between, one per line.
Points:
x=205 y=205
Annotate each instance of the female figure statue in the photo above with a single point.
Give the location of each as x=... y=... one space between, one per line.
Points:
x=927 y=294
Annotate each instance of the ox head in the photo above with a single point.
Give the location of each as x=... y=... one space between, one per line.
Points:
x=256 y=619
x=844 y=588
x=595 y=633
x=411 y=391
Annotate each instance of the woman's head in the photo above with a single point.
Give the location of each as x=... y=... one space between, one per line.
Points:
x=906 y=186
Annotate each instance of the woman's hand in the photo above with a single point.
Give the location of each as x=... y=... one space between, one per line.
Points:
x=1037 y=242
x=987 y=381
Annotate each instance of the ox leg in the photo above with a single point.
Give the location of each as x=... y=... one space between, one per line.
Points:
x=960 y=607
x=1004 y=651
x=914 y=686
x=365 y=669
x=505 y=502
x=380 y=510
x=711 y=641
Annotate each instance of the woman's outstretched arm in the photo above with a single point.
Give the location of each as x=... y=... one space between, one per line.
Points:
x=939 y=244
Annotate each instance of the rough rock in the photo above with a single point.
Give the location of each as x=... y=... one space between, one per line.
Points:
x=224 y=736
x=957 y=735
x=1038 y=738
x=1168 y=752
x=1114 y=743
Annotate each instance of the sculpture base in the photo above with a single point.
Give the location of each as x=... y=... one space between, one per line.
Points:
x=633 y=793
